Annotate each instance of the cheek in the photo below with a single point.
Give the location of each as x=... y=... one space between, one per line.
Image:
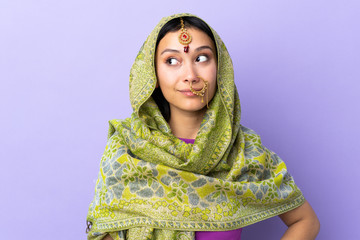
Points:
x=212 y=90
x=163 y=78
x=160 y=75
x=160 y=71
x=213 y=85
x=165 y=85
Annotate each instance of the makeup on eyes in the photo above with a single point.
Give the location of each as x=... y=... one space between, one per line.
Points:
x=171 y=59
x=178 y=51
x=200 y=58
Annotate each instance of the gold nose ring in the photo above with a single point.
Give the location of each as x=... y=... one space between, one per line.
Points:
x=202 y=91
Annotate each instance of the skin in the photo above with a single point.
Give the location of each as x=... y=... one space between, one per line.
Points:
x=108 y=237
x=302 y=223
x=175 y=69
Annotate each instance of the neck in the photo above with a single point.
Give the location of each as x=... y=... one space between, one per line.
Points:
x=186 y=124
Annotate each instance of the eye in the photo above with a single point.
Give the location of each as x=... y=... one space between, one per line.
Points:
x=172 y=61
x=202 y=58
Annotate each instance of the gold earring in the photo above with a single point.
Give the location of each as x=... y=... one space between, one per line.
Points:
x=202 y=91
x=184 y=36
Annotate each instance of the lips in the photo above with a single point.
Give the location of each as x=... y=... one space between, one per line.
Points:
x=187 y=92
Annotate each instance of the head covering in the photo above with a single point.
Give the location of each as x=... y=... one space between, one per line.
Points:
x=152 y=185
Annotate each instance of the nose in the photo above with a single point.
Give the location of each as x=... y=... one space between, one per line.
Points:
x=191 y=74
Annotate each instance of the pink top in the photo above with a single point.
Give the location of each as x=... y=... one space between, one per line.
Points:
x=228 y=235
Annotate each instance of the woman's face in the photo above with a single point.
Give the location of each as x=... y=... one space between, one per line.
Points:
x=176 y=69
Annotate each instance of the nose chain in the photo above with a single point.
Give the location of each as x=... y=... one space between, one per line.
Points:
x=202 y=91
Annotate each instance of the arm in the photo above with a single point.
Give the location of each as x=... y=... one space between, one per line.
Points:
x=302 y=223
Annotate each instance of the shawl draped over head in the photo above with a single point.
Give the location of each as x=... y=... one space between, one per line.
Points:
x=152 y=185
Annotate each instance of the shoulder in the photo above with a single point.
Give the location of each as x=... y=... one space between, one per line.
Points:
x=247 y=130
x=115 y=146
x=250 y=135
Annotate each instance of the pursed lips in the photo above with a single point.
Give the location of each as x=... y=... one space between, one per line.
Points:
x=188 y=90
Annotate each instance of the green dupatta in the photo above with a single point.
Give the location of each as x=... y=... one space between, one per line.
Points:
x=152 y=185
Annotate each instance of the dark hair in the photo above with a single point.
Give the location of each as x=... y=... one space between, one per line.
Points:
x=173 y=26
x=189 y=22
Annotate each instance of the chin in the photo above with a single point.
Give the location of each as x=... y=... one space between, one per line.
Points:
x=190 y=106
x=195 y=108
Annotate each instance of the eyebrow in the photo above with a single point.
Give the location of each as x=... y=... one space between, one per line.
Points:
x=169 y=50
x=202 y=48
x=177 y=51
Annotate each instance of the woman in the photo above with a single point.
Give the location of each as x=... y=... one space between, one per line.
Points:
x=182 y=167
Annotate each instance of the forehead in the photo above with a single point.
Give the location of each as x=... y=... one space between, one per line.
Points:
x=199 y=38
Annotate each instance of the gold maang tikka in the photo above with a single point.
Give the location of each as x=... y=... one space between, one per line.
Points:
x=202 y=91
x=184 y=36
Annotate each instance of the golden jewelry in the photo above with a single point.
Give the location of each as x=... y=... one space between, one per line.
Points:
x=184 y=36
x=202 y=91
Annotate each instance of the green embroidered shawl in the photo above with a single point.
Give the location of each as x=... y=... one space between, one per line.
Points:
x=152 y=185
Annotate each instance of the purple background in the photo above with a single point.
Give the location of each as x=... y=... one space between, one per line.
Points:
x=64 y=68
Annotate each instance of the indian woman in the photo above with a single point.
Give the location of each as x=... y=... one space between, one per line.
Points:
x=182 y=166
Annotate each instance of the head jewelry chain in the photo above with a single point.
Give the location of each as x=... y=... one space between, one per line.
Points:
x=184 y=36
